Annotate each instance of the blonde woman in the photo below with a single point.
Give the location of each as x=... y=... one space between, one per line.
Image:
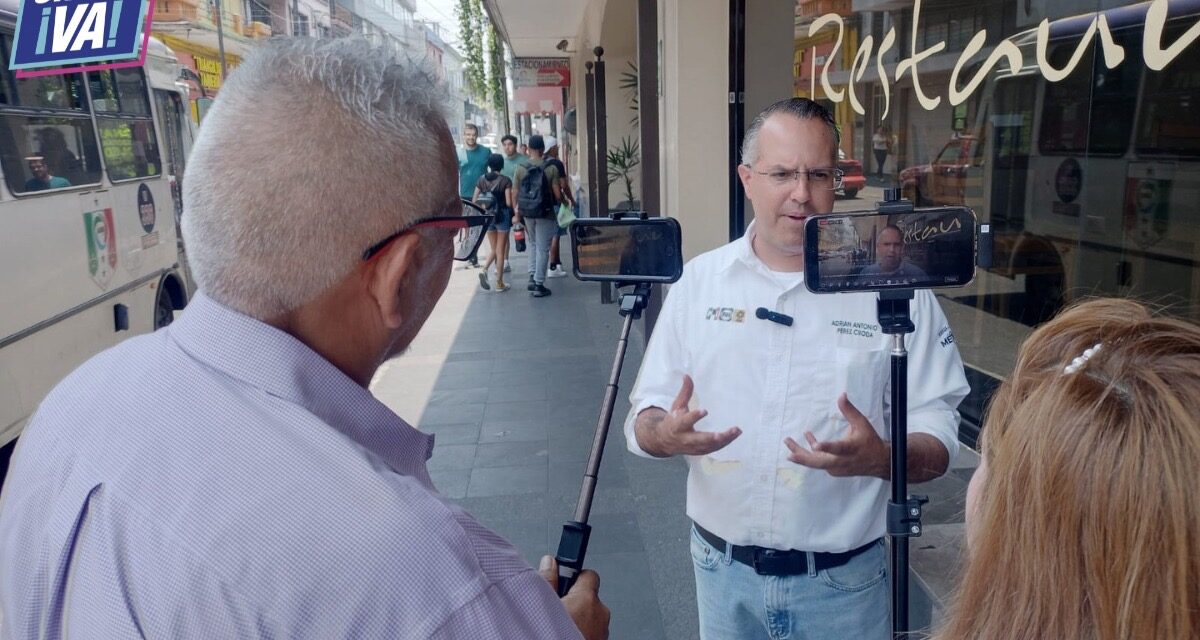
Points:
x=1083 y=520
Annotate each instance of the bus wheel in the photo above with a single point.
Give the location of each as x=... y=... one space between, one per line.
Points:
x=164 y=309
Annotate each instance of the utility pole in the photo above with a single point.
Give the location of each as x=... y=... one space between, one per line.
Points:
x=220 y=37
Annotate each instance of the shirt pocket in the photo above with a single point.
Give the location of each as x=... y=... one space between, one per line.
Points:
x=863 y=375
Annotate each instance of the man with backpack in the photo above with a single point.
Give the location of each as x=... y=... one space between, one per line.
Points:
x=538 y=196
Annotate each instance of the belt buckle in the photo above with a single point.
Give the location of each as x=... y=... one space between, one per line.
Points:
x=771 y=562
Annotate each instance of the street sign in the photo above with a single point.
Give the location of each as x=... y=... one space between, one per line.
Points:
x=541 y=72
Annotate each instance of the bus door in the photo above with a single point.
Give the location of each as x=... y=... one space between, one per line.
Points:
x=171 y=123
x=175 y=126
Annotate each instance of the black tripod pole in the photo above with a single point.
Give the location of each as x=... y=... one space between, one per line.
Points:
x=572 y=546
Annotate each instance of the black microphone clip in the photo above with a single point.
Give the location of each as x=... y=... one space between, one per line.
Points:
x=763 y=313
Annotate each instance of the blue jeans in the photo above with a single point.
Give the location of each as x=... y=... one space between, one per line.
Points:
x=850 y=602
x=539 y=232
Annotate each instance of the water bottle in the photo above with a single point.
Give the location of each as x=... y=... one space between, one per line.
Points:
x=519 y=236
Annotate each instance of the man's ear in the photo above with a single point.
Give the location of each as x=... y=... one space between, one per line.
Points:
x=744 y=174
x=386 y=273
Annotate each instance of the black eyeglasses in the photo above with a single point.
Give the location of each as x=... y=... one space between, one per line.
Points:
x=473 y=225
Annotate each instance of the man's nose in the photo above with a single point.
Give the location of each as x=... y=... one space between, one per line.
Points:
x=800 y=189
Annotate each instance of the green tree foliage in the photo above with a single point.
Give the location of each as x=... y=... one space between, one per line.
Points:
x=470 y=35
x=495 y=69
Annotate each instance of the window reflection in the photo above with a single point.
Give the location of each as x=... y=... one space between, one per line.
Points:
x=1091 y=184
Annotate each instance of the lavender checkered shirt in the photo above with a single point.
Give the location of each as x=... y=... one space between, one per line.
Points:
x=219 y=479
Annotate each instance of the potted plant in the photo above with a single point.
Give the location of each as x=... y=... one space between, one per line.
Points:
x=623 y=160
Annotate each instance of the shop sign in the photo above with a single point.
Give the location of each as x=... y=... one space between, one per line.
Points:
x=209 y=71
x=54 y=33
x=1155 y=54
x=541 y=72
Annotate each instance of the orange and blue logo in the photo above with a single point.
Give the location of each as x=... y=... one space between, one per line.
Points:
x=107 y=34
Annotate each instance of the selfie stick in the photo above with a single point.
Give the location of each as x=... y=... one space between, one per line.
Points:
x=903 y=511
x=573 y=544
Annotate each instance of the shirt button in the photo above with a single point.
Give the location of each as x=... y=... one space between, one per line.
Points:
x=762 y=478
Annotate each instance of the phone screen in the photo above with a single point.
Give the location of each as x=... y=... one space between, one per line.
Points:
x=870 y=251
x=628 y=250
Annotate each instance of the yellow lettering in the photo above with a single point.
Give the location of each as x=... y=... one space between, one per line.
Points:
x=1043 y=43
x=929 y=104
x=888 y=41
x=829 y=18
x=1155 y=56
x=1005 y=49
x=862 y=59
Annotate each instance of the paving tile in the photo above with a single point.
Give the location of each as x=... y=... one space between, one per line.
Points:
x=452 y=456
x=512 y=431
x=451 y=483
x=507 y=454
x=453 y=414
x=447 y=434
x=505 y=481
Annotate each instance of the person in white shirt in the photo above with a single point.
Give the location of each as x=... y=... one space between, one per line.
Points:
x=787 y=538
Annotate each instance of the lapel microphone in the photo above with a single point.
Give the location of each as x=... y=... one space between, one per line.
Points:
x=764 y=313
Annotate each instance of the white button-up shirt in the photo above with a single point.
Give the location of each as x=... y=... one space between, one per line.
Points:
x=775 y=381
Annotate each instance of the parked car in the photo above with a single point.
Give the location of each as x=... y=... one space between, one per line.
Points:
x=943 y=181
x=853 y=180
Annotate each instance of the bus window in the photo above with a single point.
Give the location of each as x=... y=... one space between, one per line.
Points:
x=45 y=152
x=1090 y=112
x=1169 y=124
x=127 y=138
x=54 y=149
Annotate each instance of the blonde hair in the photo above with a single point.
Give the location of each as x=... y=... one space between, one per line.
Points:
x=1088 y=522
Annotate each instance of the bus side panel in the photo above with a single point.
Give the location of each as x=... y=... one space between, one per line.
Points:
x=31 y=367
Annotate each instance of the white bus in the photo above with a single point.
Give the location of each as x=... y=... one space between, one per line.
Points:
x=89 y=206
x=1092 y=183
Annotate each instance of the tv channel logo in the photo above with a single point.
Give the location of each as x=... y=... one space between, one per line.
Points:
x=53 y=33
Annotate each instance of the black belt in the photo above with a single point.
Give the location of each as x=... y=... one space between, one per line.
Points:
x=773 y=562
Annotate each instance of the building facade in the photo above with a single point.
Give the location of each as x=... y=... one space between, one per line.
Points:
x=1072 y=128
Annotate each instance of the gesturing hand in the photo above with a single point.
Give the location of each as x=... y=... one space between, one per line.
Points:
x=861 y=453
x=673 y=433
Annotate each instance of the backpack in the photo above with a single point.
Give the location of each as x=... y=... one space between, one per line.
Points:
x=535 y=196
x=488 y=199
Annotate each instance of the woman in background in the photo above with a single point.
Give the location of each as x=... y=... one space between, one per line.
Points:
x=1083 y=520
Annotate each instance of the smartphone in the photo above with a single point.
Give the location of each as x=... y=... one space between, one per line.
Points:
x=629 y=250
x=871 y=251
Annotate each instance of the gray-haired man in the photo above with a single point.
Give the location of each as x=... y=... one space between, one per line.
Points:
x=231 y=476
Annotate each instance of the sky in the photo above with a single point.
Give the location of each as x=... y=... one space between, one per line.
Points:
x=441 y=11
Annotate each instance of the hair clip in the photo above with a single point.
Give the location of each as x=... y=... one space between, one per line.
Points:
x=1081 y=360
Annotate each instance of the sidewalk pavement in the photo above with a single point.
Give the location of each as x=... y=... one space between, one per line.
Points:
x=512 y=387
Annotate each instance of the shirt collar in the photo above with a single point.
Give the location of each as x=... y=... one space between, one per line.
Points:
x=742 y=253
x=274 y=361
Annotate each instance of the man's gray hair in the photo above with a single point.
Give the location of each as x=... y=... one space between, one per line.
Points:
x=801 y=108
x=314 y=151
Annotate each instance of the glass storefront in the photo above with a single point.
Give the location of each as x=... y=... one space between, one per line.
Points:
x=1071 y=127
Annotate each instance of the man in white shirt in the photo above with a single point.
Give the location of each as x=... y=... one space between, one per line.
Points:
x=788 y=538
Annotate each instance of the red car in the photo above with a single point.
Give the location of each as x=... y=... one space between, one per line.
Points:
x=853 y=180
x=943 y=181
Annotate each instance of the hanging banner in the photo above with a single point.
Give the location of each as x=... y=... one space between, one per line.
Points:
x=53 y=33
x=541 y=72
